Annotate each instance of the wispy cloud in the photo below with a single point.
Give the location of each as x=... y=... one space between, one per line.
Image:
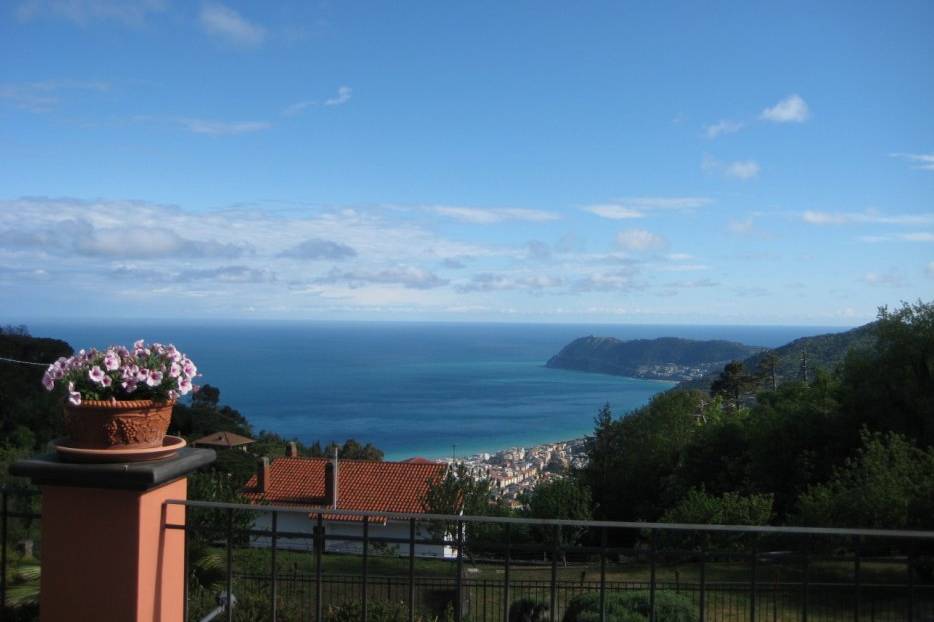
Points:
x=739 y=169
x=868 y=217
x=884 y=279
x=792 y=109
x=223 y=128
x=490 y=282
x=639 y=241
x=914 y=236
x=483 y=216
x=228 y=25
x=44 y=96
x=298 y=107
x=724 y=126
x=923 y=161
x=82 y=12
x=342 y=97
x=318 y=249
x=636 y=207
x=407 y=276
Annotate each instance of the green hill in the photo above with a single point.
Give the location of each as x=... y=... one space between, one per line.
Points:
x=823 y=352
x=668 y=358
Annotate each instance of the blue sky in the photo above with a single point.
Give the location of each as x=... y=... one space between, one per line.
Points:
x=652 y=163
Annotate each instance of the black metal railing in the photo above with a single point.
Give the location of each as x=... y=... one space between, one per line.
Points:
x=665 y=571
x=19 y=551
x=250 y=562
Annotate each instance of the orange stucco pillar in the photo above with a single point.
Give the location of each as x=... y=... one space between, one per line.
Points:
x=106 y=553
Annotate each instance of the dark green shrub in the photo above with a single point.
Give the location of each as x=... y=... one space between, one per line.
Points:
x=528 y=610
x=631 y=607
x=378 y=611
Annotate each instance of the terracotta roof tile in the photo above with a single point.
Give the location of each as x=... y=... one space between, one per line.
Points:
x=364 y=485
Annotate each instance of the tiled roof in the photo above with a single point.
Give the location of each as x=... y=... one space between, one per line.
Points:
x=223 y=439
x=364 y=485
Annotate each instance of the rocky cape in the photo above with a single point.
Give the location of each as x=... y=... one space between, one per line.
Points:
x=666 y=358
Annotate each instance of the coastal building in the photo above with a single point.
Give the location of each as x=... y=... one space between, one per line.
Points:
x=223 y=440
x=331 y=484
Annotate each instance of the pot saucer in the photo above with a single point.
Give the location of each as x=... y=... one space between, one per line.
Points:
x=170 y=445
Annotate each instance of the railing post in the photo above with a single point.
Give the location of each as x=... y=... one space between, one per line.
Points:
x=229 y=604
x=857 y=578
x=703 y=581
x=553 y=596
x=319 y=548
x=805 y=580
x=911 y=583
x=366 y=546
x=412 y=570
x=603 y=574
x=753 y=582
x=458 y=610
x=652 y=553
x=3 y=537
x=275 y=581
x=506 y=602
x=185 y=554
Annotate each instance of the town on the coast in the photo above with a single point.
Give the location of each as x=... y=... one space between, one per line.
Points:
x=518 y=470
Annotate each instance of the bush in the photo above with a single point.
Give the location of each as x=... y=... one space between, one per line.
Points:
x=631 y=607
x=528 y=610
x=378 y=611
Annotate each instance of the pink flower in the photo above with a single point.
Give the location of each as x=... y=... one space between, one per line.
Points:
x=47 y=381
x=74 y=397
x=106 y=380
x=184 y=386
x=155 y=378
x=96 y=374
x=142 y=374
x=189 y=368
x=129 y=386
x=139 y=345
x=174 y=370
x=111 y=360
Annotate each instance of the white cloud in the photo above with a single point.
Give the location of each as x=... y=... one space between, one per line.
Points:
x=636 y=207
x=746 y=169
x=318 y=249
x=82 y=12
x=740 y=169
x=792 y=109
x=639 y=240
x=483 y=216
x=298 y=107
x=227 y=24
x=724 y=126
x=884 y=279
x=407 y=276
x=223 y=128
x=923 y=161
x=741 y=227
x=488 y=282
x=342 y=97
x=868 y=217
x=44 y=96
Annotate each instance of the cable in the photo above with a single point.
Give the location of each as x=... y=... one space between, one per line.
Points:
x=3 y=358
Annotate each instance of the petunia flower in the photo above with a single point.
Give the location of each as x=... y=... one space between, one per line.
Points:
x=96 y=374
x=74 y=397
x=155 y=378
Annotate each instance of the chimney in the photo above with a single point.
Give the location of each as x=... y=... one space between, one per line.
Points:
x=331 y=472
x=263 y=475
x=291 y=450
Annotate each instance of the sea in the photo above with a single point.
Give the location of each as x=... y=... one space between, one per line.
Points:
x=412 y=389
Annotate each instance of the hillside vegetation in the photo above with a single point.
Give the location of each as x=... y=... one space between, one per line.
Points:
x=667 y=357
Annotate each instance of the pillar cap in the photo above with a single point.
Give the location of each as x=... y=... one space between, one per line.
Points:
x=50 y=470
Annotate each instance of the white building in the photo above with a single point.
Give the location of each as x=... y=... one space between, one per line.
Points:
x=346 y=485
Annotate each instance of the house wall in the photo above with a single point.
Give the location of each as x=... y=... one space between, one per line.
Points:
x=298 y=522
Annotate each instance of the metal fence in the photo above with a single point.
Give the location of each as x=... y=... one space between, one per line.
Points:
x=720 y=573
x=711 y=572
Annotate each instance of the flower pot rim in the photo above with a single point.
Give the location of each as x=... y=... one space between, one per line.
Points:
x=119 y=404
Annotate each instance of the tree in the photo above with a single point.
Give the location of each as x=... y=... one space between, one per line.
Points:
x=888 y=484
x=562 y=498
x=732 y=382
x=767 y=371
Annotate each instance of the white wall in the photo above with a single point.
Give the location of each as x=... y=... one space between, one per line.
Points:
x=299 y=522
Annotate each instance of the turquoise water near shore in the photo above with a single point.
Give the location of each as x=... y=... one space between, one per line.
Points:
x=409 y=388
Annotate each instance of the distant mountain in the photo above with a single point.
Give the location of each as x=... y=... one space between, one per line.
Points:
x=823 y=352
x=667 y=358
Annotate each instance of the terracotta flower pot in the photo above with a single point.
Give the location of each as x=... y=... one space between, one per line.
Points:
x=117 y=425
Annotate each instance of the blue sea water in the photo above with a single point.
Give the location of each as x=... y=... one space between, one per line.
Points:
x=409 y=388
